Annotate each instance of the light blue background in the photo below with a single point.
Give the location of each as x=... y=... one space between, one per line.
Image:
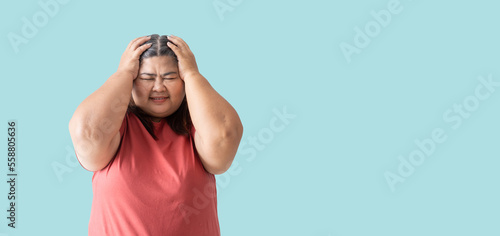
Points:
x=323 y=174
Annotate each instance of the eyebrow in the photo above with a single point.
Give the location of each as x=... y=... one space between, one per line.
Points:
x=164 y=74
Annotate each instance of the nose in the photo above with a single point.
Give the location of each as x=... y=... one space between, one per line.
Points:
x=159 y=86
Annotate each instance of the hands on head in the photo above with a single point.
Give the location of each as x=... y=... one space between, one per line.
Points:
x=186 y=61
x=129 y=62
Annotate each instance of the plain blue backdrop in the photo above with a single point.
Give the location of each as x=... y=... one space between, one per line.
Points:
x=340 y=102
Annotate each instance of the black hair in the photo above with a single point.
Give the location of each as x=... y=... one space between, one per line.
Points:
x=180 y=120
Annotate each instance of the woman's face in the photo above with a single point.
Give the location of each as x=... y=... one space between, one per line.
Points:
x=158 y=77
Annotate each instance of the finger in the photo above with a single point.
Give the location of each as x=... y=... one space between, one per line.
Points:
x=174 y=48
x=139 y=42
x=180 y=43
x=141 y=49
x=177 y=40
x=133 y=41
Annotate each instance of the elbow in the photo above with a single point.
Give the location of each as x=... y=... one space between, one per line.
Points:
x=232 y=134
x=220 y=152
x=76 y=128
x=217 y=172
x=91 y=156
x=230 y=143
x=219 y=157
x=226 y=157
x=220 y=168
x=89 y=153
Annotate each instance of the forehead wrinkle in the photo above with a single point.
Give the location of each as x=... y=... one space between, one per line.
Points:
x=158 y=63
x=164 y=74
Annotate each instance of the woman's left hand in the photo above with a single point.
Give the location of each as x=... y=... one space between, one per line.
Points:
x=187 y=63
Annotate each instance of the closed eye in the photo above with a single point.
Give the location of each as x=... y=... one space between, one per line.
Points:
x=163 y=78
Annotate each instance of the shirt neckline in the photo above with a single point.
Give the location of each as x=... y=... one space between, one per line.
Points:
x=158 y=124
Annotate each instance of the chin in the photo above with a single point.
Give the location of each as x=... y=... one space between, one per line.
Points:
x=161 y=114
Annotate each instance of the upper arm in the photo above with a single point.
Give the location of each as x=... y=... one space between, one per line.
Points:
x=94 y=156
x=217 y=155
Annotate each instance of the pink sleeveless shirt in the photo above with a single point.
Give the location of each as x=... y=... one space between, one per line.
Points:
x=154 y=187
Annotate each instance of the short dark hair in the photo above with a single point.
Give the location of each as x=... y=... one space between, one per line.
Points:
x=179 y=121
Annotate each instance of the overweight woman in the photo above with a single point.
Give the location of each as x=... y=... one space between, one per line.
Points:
x=154 y=135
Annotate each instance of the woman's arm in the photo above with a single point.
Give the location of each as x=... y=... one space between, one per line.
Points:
x=218 y=126
x=95 y=125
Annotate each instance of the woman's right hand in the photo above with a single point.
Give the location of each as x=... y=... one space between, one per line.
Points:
x=129 y=62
